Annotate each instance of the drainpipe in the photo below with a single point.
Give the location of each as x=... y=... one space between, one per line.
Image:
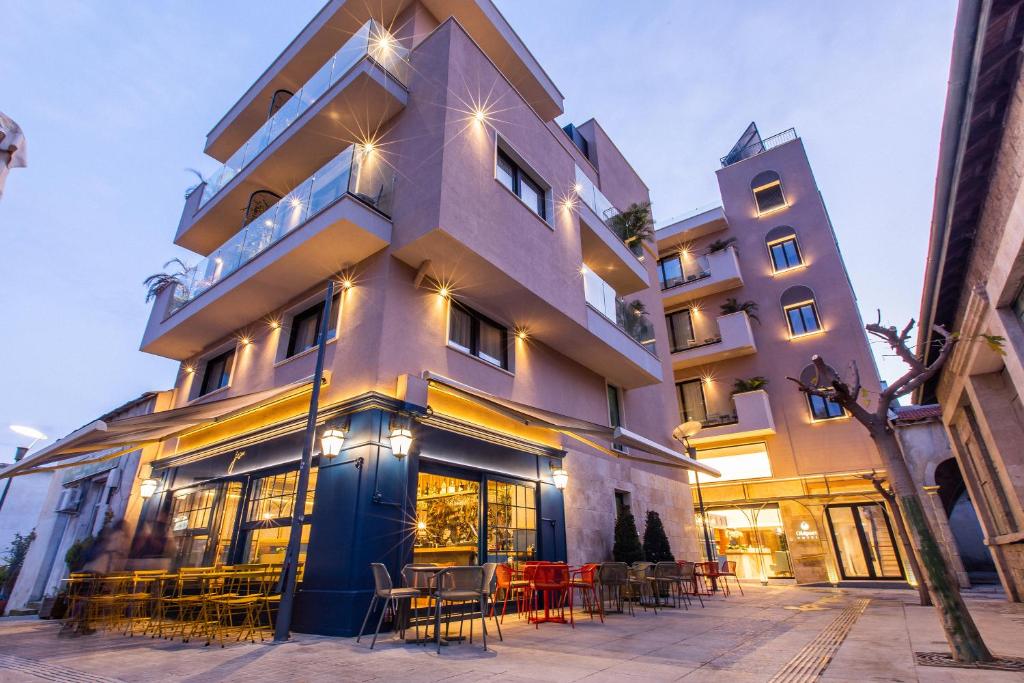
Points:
x=19 y=453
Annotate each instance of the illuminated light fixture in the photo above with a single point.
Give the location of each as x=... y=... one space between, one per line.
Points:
x=147 y=488
x=584 y=270
x=421 y=525
x=369 y=147
x=30 y=432
x=522 y=334
x=218 y=260
x=332 y=441
x=384 y=43
x=275 y=324
x=401 y=436
x=295 y=201
x=480 y=116
x=577 y=188
x=267 y=515
x=347 y=284
x=443 y=292
x=269 y=223
x=245 y=341
x=560 y=478
x=189 y=369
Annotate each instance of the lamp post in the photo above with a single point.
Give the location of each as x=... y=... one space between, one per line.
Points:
x=291 y=558
x=682 y=434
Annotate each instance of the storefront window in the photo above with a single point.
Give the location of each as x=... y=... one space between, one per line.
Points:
x=268 y=514
x=511 y=522
x=864 y=542
x=228 y=517
x=753 y=538
x=447 y=520
x=191 y=515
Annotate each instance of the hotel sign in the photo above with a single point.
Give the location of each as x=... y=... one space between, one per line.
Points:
x=805 y=533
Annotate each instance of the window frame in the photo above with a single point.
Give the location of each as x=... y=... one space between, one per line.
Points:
x=796 y=248
x=786 y=310
x=520 y=173
x=475 y=320
x=226 y=373
x=826 y=403
x=616 y=417
x=674 y=347
x=682 y=398
x=766 y=186
x=315 y=310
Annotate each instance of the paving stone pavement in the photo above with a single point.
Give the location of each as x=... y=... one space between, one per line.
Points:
x=739 y=639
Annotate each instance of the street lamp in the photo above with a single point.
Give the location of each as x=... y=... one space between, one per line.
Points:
x=30 y=432
x=682 y=434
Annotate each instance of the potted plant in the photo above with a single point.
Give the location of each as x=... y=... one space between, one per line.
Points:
x=731 y=305
x=158 y=282
x=656 y=545
x=742 y=386
x=627 y=546
x=721 y=244
x=634 y=226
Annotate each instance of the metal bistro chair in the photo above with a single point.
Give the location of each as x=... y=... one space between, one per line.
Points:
x=615 y=585
x=461 y=586
x=725 y=570
x=508 y=586
x=587 y=581
x=385 y=591
x=688 y=580
x=641 y=583
x=667 y=580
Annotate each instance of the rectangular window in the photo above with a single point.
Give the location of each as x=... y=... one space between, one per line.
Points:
x=267 y=518
x=511 y=521
x=472 y=333
x=691 y=397
x=509 y=174
x=306 y=326
x=193 y=509
x=803 y=319
x=614 y=407
x=670 y=272
x=785 y=254
x=824 y=408
x=680 y=329
x=746 y=461
x=769 y=197
x=217 y=373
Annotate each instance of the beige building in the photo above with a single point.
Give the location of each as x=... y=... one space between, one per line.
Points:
x=974 y=279
x=751 y=291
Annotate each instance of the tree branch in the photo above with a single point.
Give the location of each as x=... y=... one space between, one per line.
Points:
x=897 y=341
x=837 y=391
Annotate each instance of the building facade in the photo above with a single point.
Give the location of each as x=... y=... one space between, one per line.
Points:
x=974 y=276
x=492 y=390
x=751 y=290
x=87 y=496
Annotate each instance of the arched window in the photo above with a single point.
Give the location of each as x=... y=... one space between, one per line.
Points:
x=783 y=248
x=821 y=408
x=768 y=195
x=801 y=311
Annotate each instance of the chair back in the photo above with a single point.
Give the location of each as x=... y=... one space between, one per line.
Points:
x=554 y=575
x=503 y=574
x=467 y=578
x=730 y=567
x=590 y=573
x=666 y=570
x=381 y=579
x=614 y=573
x=490 y=568
x=424 y=581
x=687 y=570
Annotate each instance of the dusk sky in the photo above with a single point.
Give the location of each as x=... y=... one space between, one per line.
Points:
x=116 y=97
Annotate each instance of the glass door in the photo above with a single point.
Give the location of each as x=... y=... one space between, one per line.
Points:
x=863 y=539
x=447 y=520
x=691 y=395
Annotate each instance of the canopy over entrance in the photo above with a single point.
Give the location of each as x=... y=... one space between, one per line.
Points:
x=128 y=434
x=582 y=430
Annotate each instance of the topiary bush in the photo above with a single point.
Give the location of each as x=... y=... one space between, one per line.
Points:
x=627 y=546
x=656 y=546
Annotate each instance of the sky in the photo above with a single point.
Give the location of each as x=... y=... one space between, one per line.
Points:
x=116 y=97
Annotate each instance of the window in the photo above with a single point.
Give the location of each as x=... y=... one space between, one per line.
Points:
x=306 y=326
x=511 y=521
x=783 y=249
x=266 y=523
x=803 y=319
x=509 y=174
x=614 y=407
x=622 y=503
x=680 y=329
x=472 y=333
x=217 y=373
x=681 y=268
x=768 y=195
x=824 y=408
x=192 y=509
x=670 y=271
x=745 y=461
x=691 y=398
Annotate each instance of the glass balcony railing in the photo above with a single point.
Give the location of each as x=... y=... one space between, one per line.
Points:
x=356 y=172
x=605 y=210
x=372 y=42
x=603 y=299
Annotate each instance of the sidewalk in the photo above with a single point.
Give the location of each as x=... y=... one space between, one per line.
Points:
x=738 y=639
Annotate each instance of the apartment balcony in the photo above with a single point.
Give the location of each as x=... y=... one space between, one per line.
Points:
x=605 y=251
x=688 y=227
x=336 y=218
x=702 y=276
x=752 y=418
x=735 y=338
x=359 y=88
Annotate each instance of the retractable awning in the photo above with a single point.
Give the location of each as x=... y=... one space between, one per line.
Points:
x=582 y=430
x=122 y=436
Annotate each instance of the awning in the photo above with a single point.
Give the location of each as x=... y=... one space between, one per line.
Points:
x=581 y=430
x=128 y=434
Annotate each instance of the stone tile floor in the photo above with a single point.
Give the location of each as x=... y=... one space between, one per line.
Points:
x=735 y=640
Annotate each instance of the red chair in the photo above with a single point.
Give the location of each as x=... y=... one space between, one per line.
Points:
x=730 y=570
x=550 y=583
x=585 y=580
x=506 y=582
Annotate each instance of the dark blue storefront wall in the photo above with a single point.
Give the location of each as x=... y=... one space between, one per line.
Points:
x=359 y=515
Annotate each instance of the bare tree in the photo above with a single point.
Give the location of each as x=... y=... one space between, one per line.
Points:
x=965 y=641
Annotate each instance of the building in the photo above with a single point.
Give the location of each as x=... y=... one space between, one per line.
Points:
x=751 y=290
x=20 y=498
x=974 y=276
x=493 y=388
x=85 y=495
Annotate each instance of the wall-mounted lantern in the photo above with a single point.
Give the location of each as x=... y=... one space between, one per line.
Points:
x=331 y=441
x=148 y=487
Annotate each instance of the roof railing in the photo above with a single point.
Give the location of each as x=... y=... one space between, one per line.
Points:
x=759 y=147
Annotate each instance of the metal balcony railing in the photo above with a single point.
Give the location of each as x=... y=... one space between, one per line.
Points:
x=759 y=147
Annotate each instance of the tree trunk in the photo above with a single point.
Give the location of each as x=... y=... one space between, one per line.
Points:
x=965 y=641
x=908 y=547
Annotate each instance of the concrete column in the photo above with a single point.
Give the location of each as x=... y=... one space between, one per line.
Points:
x=940 y=524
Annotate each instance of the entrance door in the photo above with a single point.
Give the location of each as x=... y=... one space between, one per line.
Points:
x=864 y=542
